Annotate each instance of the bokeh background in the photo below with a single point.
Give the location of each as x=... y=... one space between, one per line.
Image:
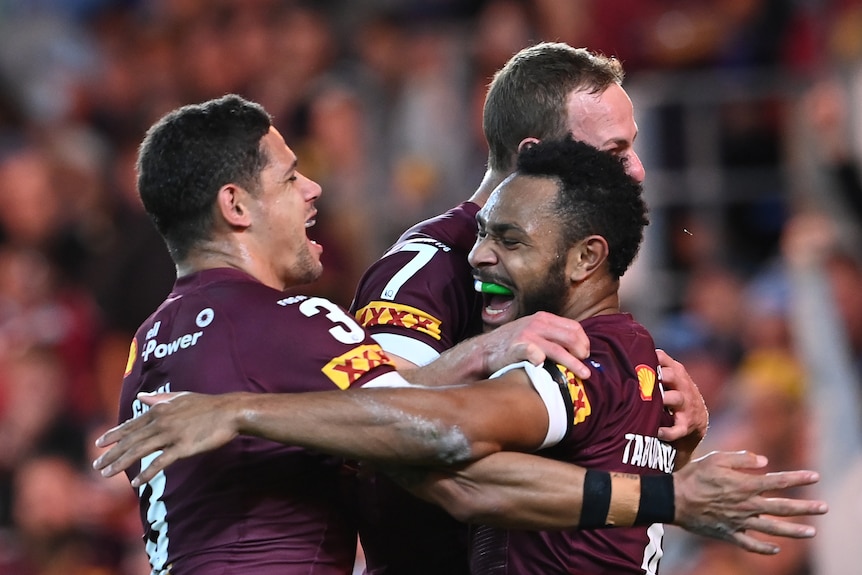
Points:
x=750 y=132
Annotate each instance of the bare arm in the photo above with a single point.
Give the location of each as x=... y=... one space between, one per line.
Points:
x=405 y=425
x=715 y=496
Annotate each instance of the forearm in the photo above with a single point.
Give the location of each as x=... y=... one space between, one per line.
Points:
x=519 y=491
x=432 y=426
x=373 y=425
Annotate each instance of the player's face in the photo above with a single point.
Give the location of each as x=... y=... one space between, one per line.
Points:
x=606 y=121
x=519 y=247
x=286 y=211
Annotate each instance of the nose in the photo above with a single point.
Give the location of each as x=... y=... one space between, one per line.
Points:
x=634 y=167
x=312 y=189
x=481 y=254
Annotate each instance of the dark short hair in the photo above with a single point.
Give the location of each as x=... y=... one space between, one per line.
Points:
x=188 y=155
x=527 y=97
x=596 y=196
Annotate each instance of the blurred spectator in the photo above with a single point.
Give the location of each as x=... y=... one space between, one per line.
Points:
x=826 y=305
x=384 y=99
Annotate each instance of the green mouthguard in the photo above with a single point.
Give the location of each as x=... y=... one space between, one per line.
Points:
x=494 y=289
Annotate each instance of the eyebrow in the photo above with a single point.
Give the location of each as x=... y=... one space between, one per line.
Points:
x=498 y=229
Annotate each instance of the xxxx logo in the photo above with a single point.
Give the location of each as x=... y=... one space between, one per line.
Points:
x=580 y=401
x=348 y=367
x=387 y=313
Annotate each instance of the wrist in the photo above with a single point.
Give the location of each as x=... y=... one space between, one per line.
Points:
x=625 y=500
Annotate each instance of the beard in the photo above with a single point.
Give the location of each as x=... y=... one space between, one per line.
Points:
x=550 y=294
x=306 y=268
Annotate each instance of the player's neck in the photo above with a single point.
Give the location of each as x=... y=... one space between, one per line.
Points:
x=214 y=255
x=490 y=181
x=594 y=299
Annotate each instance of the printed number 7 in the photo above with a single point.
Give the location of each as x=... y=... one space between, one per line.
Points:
x=424 y=253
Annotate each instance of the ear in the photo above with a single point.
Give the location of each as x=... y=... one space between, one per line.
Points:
x=586 y=257
x=232 y=204
x=527 y=143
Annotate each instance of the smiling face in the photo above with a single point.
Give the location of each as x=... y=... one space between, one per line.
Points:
x=283 y=209
x=519 y=246
x=606 y=121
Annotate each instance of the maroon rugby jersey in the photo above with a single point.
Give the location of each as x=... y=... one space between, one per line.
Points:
x=253 y=507
x=616 y=414
x=418 y=301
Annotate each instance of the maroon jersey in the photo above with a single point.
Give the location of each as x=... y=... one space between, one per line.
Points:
x=253 y=506
x=616 y=414
x=418 y=301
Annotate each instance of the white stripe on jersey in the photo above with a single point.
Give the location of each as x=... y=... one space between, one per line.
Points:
x=549 y=391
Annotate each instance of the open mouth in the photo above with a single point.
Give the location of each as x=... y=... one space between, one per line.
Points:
x=497 y=300
x=309 y=223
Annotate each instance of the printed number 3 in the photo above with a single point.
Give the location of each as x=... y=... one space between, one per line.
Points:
x=347 y=332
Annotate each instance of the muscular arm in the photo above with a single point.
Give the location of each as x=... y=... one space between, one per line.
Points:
x=404 y=425
x=715 y=496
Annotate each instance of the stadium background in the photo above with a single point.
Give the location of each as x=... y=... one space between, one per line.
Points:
x=748 y=125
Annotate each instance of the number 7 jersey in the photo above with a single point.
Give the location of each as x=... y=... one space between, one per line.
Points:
x=253 y=506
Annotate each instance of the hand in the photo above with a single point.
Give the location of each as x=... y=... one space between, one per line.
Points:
x=683 y=399
x=716 y=497
x=535 y=338
x=179 y=424
x=808 y=239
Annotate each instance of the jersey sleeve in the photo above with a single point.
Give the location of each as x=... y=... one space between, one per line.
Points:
x=548 y=382
x=418 y=300
x=312 y=344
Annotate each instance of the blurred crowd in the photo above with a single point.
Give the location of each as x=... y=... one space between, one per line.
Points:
x=381 y=100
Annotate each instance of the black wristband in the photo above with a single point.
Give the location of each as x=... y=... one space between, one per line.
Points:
x=596 y=501
x=657 y=500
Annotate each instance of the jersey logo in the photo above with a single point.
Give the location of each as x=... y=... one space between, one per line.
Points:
x=133 y=355
x=646 y=381
x=580 y=402
x=387 y=313
x=345 y=369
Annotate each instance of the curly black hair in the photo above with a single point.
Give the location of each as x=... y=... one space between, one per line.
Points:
x=596 y=196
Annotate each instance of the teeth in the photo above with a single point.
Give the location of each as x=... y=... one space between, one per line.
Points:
x=310 y=223
x=492 y=311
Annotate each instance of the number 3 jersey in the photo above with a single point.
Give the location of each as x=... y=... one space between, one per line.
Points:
x=615 y=415
x=252 y=506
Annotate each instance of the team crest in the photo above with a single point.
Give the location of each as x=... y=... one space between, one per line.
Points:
x=388 y=313
x=646 y=381
x=580 y=402
x=348 y=367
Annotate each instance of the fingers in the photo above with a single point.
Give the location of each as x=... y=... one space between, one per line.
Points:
x=749 y=543
x=560 y=355
x=155 y=466
x=785 y=479
x=544 y=335
x=677 y=431
x=125 y=453
x=738 y=460
x=782 y=507
x=154 y=398
x=780 y=528
x=673 y=400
